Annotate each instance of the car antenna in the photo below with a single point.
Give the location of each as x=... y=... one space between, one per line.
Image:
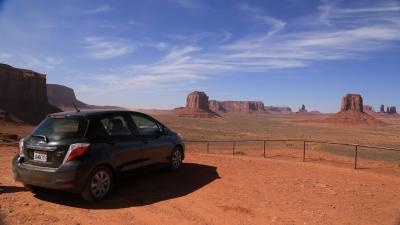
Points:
x=76 y=108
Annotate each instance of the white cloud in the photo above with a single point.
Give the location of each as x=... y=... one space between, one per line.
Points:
x=104 y=48
x=100 y=9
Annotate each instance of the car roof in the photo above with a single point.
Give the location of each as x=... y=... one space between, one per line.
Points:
x=92 y=112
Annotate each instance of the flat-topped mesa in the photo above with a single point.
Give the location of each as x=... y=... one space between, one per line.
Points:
x=237 y=106
x=63 y=97
x=243 y=106
x=216 y=106
x=352 y=102
x=23 y=94
x=277 y=109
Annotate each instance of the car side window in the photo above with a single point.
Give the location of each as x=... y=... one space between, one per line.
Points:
x=115 y=126
x=146 y=126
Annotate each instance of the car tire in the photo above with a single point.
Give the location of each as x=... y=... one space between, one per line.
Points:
x=175 y=161
x=98 y=185
x=33 y=189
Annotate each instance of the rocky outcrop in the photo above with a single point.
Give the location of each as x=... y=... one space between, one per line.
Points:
x=276 y=109
x=352 y=102
x=196 y=106
x=23 y=94
x=352 y=113
x=64 y=97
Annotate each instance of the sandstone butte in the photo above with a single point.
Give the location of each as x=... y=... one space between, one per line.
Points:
x=196 y=106
x=352 y=113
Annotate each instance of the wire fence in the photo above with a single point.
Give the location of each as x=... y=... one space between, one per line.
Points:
x=356 y=147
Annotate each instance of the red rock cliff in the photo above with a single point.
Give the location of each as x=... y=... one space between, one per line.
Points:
x=23 y=94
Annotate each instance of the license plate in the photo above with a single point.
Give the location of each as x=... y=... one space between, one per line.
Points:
x=40 y=156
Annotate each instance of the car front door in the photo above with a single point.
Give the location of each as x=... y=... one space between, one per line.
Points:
x=123 y=145
x=158 y=146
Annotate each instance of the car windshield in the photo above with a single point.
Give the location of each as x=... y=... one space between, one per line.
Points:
x=60 y=127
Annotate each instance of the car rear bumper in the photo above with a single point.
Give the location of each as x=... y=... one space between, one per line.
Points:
x=62 y=178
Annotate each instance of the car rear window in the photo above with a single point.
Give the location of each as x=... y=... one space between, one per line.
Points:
x=60 y=127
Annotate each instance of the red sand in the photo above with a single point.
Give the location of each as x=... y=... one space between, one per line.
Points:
x=217 y=189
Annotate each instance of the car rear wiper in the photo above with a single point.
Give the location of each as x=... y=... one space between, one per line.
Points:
x=42 y=136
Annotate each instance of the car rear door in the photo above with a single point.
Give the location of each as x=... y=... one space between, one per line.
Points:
x=157 y=145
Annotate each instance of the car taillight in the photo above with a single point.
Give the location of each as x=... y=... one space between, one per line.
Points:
x=21 y=148
x=76 y=150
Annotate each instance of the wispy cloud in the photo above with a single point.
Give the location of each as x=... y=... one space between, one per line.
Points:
x=40 y=63
x=249 y=8
x=191 y=4
x=344 y=33
x=106 y=48
x=100 y=9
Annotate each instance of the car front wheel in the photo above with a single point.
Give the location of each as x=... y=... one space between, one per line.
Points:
x=176 y=159
x=99 y=184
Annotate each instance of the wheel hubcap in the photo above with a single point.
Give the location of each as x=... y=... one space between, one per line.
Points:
x=100 y=184
x=176 y=159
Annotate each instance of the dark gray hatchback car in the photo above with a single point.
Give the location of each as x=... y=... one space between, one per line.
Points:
x=83 y=152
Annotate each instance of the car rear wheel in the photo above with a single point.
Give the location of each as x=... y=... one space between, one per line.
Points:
x=99 y=184
x=176 y=159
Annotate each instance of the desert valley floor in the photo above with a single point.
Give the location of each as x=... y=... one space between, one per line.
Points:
x=219 y=188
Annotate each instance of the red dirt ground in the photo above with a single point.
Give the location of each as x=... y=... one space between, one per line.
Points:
x=217 y=189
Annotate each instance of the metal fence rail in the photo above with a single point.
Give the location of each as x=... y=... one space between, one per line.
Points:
x=265 y=141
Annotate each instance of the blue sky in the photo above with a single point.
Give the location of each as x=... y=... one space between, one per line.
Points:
x=150 y=54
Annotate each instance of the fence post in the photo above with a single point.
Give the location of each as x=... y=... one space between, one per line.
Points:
x=304 y=151
x=265 y=142
x=355 y=157
x=233 y=149
x=208 y=147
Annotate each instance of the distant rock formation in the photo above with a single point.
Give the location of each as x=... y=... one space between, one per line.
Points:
x=275 y=109
x=392 y=110
x=63 y=97
x=23 y=95
x=352 y=113
x=368 y=108
x=196 y=106
x=382 y=110
x=302 y=109
x=237 y=106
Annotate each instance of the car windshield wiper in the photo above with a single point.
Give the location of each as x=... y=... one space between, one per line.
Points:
x=42 y=136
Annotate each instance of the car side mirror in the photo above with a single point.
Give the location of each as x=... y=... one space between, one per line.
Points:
x=163 y=130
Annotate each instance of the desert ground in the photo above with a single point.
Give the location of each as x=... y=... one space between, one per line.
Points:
x=219 y=188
